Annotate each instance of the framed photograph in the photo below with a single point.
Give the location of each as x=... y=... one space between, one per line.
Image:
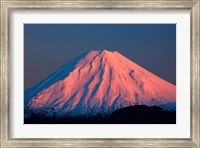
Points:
x=100 y=73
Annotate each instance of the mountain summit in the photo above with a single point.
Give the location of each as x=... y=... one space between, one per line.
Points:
x=98 y=82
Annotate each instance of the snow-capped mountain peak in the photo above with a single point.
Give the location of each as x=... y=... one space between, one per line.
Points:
x=98 y=82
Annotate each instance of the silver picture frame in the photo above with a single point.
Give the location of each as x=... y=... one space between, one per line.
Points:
x=7 y=6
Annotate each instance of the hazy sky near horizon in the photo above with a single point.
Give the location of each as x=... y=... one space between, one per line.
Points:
x=48 y=46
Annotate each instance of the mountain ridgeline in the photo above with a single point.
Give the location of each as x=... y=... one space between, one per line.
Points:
x=101 y=87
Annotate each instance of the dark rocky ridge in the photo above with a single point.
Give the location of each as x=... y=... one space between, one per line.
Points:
x=139 y=114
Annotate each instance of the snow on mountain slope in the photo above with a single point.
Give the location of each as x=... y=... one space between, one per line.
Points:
x=98 y=82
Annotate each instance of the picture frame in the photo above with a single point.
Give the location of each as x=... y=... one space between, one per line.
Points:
x=8 y=6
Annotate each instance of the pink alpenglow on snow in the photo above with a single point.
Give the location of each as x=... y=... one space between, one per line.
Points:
x=99 y=82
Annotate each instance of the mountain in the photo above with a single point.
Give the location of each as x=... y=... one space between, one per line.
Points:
x=98 y=83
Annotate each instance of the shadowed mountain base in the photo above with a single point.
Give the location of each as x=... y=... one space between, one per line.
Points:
x=128 y=115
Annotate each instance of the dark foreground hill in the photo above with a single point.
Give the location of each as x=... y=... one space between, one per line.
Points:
x=128 y=115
